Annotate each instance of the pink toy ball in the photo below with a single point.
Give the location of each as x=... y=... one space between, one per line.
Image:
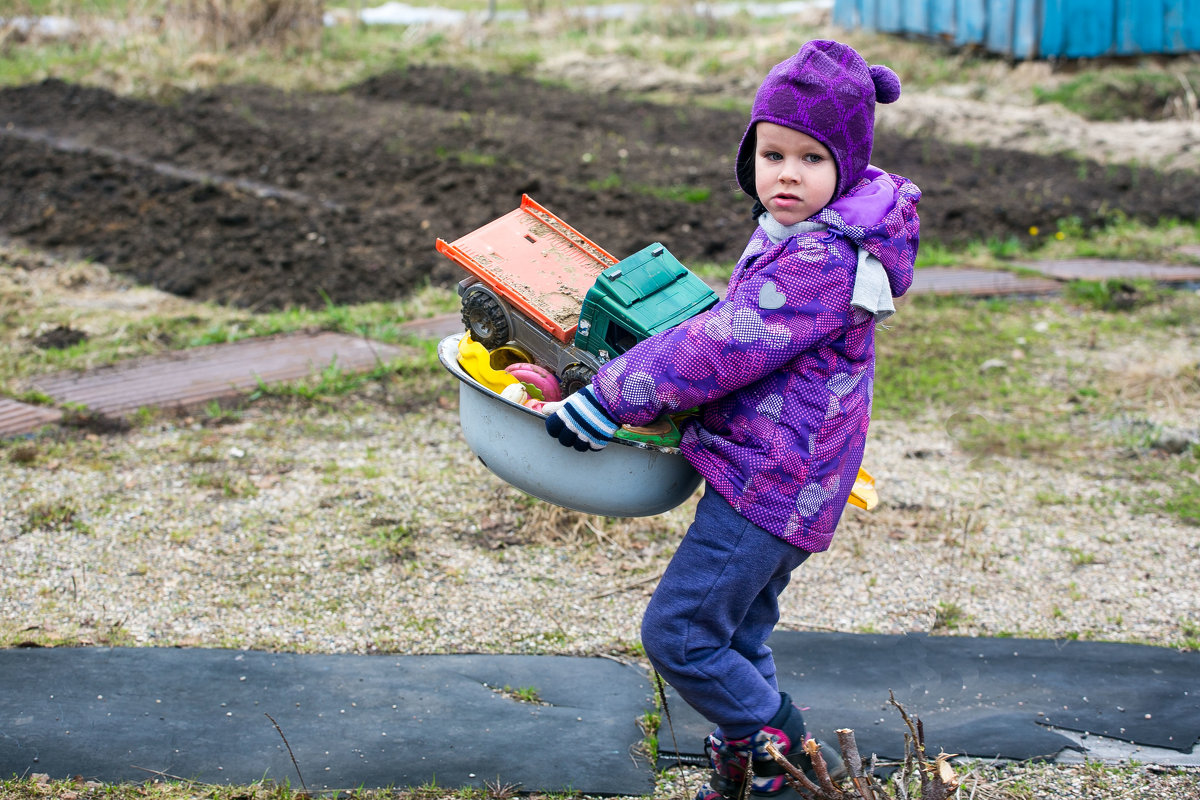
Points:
x=543 y=379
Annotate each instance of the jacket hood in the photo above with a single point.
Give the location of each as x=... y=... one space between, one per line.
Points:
x=879 y=214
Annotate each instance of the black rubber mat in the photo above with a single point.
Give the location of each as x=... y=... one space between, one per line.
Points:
x=126 y=714
x=978 y=697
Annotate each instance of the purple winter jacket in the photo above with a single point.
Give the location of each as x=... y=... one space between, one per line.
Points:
x=782 y=369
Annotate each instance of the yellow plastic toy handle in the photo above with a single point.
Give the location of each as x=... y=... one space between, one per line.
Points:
x=475 y=359
x=863 y=495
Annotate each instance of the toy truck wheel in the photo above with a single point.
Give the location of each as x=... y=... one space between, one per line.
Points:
x=485 y=320
x=574 y=378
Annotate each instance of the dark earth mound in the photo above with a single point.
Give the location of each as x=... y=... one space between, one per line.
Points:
x=250 y=196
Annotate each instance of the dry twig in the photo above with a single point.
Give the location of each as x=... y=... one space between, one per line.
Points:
x=279 y=730
x=937 y=779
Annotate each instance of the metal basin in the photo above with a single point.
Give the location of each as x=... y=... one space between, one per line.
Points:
x=625 y=479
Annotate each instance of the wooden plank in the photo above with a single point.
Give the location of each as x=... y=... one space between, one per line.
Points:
x=978 y=283
x=18 y=419
x=189 y=378
x=1100 y=269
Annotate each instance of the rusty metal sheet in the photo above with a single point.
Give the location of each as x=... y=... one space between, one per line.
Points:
x=188 y=378
x=1098 y=269
x=978 y=282
x=18 y=419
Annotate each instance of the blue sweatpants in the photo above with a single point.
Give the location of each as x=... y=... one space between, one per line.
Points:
x=706 y=627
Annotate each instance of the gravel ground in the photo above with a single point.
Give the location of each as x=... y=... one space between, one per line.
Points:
x=355 y=529
x=350 y=527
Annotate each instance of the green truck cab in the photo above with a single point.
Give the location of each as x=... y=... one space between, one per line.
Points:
x=642 y=295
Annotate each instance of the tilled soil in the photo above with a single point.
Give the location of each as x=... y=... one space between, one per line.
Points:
x=250 y=196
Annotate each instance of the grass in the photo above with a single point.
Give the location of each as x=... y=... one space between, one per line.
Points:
x=992 y=371
x=162 y=324
x=953 y=360
x=1128 y=93
x=163 y=60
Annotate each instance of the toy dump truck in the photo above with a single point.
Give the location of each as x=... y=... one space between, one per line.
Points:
x=539 y=285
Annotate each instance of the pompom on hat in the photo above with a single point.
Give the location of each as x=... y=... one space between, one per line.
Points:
x=827 y=91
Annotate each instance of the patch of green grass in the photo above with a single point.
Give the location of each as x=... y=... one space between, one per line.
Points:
x=525 y=694
x=682 y=194
x=608 y=183
x=1114 y=295
x=1121 y=238
x=228 y=483
x=395 y=538
x=1050 y=497
x=468 y=157
x=691 y=195
x=935 y=254
x=955 y=353
x=52 y=516
x=948 y=617
x=1115 y=94
x=1080 y=557
x=521 y=694
x=649 y=723
x=412 y=381
x=1184 y=498
x=42 y=787
x=984 y=436
x=1190 y=631
x=1156 y=484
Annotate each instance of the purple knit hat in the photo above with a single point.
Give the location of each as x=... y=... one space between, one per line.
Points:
x=827 y=91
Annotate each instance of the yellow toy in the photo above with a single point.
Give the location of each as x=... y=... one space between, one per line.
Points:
x=863 y=494
x=475 y=359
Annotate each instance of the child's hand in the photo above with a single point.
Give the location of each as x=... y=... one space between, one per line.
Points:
x=580 y=422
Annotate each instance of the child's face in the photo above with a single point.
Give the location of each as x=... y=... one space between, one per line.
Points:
x=794 y=174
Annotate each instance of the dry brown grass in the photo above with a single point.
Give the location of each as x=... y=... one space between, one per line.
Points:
x=544 y=523
x=231 y=24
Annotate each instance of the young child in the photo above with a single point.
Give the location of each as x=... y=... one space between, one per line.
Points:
x=781 y=371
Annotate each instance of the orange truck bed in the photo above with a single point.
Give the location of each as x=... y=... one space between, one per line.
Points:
x=537 y=262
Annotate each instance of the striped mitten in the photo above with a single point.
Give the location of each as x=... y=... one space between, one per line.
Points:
x=581 y=422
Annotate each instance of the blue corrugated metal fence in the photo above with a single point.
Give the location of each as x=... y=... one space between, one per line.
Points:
x=1037 y=28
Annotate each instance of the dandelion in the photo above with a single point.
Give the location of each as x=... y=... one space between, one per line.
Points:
x=1033 y=230
x=1060 y=235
